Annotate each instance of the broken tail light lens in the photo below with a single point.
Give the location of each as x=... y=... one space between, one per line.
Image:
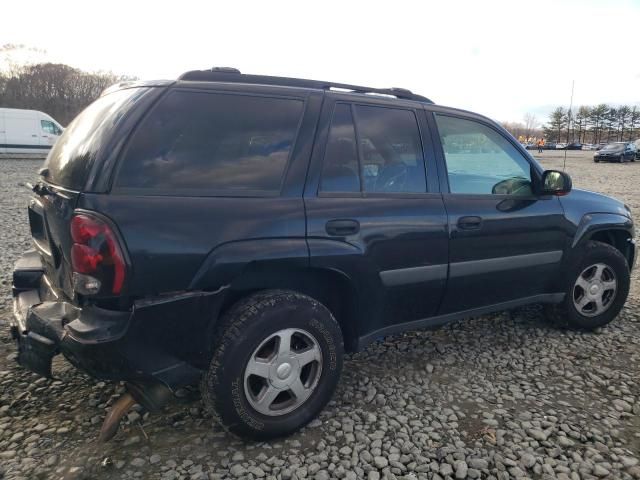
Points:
x=96 y=256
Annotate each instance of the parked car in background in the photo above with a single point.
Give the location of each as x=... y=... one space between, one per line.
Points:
x=550 y=145
x=530 y=146
x=244 y=231
x=637 y=144
x=588 y=146
x=27 y=131
x=574 y=146
x=561 y=146
x=616 y=152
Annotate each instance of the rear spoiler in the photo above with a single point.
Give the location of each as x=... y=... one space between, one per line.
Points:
x=135 y=84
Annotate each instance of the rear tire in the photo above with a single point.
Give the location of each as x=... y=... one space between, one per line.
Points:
x=595 y=289
x=276 y=364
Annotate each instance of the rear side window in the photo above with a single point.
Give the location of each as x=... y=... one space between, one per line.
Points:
x=199 y=142
x=72 y=156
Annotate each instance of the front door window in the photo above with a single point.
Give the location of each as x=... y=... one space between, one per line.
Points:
x=482 y=161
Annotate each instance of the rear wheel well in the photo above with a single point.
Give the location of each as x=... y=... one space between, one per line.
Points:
x=619 y=239
x=331 y=288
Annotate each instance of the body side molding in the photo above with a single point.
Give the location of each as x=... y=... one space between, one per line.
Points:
x=488 y=265
x=404 y=276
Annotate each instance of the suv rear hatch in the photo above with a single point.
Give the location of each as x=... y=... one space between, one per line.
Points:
x=64 y=177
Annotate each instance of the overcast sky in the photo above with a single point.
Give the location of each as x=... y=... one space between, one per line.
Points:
x=499 y=58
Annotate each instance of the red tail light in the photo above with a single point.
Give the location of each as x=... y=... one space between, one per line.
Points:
x=96 y=252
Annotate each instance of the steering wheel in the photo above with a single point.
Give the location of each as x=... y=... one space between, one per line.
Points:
x=392 y=178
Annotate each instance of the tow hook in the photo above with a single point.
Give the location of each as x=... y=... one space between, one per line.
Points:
x=152 y=397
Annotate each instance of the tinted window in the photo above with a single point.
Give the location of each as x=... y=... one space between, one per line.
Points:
x=208 y=142
x=70 y=159
x=391 y=150
x=480 y=160
x=340 y=168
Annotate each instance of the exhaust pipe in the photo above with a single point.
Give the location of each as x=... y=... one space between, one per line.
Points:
x=112 y=420
x=152 y=396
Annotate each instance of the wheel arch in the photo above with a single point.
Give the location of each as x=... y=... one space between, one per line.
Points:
x=333 y=288
x=613 y=229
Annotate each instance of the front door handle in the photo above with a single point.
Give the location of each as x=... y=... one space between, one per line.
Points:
x=469 y=223
x=342 y=228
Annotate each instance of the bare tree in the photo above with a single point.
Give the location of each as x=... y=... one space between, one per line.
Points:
x=530 y=124
x=57 y=89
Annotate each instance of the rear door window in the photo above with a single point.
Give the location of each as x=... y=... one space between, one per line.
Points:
x=391 y=150
x=212 y=143
x=340 y=168
x=382 y=153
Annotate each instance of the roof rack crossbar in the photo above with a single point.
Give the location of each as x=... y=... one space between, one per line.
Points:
x=234 y=76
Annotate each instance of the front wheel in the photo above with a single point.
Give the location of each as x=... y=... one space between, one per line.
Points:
x=277 y=362
x=596 y=289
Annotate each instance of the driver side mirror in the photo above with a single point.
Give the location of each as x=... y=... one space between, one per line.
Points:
x=555 y=182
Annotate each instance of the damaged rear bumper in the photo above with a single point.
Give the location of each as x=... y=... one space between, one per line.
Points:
x=158 y=340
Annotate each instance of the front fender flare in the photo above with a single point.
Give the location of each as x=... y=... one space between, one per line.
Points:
x=591 y=223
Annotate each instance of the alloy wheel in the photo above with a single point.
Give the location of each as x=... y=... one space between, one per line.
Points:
x=282 y=373
x=595 y=290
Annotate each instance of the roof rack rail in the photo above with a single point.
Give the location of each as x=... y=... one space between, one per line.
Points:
x=233 y=75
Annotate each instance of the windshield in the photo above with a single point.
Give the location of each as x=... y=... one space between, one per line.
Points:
x=72 y=156
x=613 y=146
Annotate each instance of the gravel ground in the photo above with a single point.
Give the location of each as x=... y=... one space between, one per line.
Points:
x=500 y=396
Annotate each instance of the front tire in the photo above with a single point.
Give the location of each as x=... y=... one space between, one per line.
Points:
x=277 y=362
x=596 y=288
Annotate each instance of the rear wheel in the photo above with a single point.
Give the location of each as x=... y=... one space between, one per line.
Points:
x=276 y=365
x=596 y=289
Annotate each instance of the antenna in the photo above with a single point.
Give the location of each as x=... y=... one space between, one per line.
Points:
x=564 y=163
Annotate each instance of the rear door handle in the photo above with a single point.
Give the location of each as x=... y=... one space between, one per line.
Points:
x=342 y=228
x=469 y=223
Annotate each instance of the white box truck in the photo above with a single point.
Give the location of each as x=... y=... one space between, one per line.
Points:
x=27 y=131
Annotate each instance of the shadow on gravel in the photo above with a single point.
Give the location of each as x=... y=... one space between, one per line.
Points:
x=506 y=361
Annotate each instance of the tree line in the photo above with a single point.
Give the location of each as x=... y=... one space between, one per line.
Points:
x=594 y=124
x=57 y=89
